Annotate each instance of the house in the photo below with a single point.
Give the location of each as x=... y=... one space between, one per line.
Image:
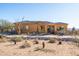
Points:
x=26 y=27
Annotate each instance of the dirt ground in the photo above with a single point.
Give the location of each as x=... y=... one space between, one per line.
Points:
x=51 y=49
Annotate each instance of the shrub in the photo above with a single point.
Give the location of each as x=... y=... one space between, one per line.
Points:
x=37 y=49
x=18 y=39
x=3 y=39
x=59 y=43
x=35 y=42
x=23 y=46
x=48 y=50
x=51 y=40
x=76 y=40
x=1 y=36
x=28 y=43
x=15 y=39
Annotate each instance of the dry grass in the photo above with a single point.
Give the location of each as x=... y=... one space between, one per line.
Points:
x=37 y=49
x=3 y=39
x=51 y=40
x=35 y=41
x=27 y=43
x=76 y=41
x=18 y=39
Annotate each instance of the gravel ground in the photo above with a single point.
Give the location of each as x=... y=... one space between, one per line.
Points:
x=51 y=49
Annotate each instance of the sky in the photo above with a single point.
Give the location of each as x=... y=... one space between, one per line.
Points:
x=52 y=12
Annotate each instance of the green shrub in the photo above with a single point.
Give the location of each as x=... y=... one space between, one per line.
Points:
x=18 y=39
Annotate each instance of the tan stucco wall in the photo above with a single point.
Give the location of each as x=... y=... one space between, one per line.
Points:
x=34 y=27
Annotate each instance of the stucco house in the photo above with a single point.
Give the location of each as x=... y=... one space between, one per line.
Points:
x=26 y=27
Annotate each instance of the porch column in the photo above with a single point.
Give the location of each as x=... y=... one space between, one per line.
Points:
x=55 y=28
x=46 y=28
x=19 y=29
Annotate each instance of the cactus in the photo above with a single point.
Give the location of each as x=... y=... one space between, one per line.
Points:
x=43 y=44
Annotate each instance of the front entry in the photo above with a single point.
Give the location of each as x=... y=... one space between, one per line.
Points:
x=51 y=30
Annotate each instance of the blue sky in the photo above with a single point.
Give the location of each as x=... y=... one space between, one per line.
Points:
x=54 y=12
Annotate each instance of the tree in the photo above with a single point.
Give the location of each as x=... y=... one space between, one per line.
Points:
x=6 y=25
x=73 y=30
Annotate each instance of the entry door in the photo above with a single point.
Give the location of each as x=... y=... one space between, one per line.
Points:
x=42 y=28
x=51 y=29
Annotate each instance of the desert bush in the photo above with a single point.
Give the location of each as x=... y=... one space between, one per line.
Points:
x=44 y=50
x=2 y=38
x=23 y=46
x=37 y=49
x=18 y=39
x=59 y=43
x=48 y=50
x=28 y=43
x=35 y=42
x=51 y=40
x=15 y=39
x=76 y=41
